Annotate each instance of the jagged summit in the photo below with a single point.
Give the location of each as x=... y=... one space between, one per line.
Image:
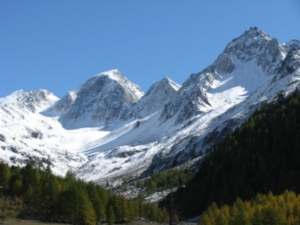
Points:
x=163 y=84
x=155 y=98
x=257 y=46
x=254 y=34
x=35 y=101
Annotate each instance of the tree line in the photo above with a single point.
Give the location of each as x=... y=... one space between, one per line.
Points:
x=261 y=155
x=31 y=193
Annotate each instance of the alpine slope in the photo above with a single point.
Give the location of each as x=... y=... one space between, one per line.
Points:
x=108 y=128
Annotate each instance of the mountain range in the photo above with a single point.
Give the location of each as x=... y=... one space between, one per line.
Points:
x=108 y=128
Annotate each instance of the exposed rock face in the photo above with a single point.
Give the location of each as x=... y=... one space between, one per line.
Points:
x=191 y=99
x=100 y=99
x=198 y=98
x=65 y=103
x=291 y=62
x=35 y=161
x=119 y=152
x=291 y=45
x=2 y=138
x=34 y=100
x=224 y=63
x=37 y=135
x=271 y=54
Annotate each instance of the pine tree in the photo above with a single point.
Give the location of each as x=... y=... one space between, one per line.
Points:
x=48 y=197
x=110 y=215
x=122 y=201
x=242 y=216
x=31 y=200
x=96 y=202
x=257 y=218
x=17 y=187
x=205 y=219
x=4 y=175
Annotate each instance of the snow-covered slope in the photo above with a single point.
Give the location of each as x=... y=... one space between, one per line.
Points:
x=107 y=128
x=29 y=137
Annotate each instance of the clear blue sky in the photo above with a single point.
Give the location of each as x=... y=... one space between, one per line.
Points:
x=58 y=45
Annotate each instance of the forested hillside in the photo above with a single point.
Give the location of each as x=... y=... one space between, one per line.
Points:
x=31 y=193
x=260 y=156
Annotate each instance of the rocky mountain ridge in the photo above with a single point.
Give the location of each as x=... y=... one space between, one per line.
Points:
x=108 y=128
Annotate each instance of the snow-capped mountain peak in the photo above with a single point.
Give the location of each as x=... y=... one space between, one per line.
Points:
x=108 y=128
x=100 y=99
x=115 y=75
x=255 y=45
x=155 y=98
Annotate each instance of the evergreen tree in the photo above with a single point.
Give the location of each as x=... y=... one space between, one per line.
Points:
x=17 y=187
x=257 y=218
x=4 y=175
x=96 y=202
x=270 y=217
x=240 y=216
x=122 y=201
x=48 y=199
x=31 y=200
x=110 y=215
